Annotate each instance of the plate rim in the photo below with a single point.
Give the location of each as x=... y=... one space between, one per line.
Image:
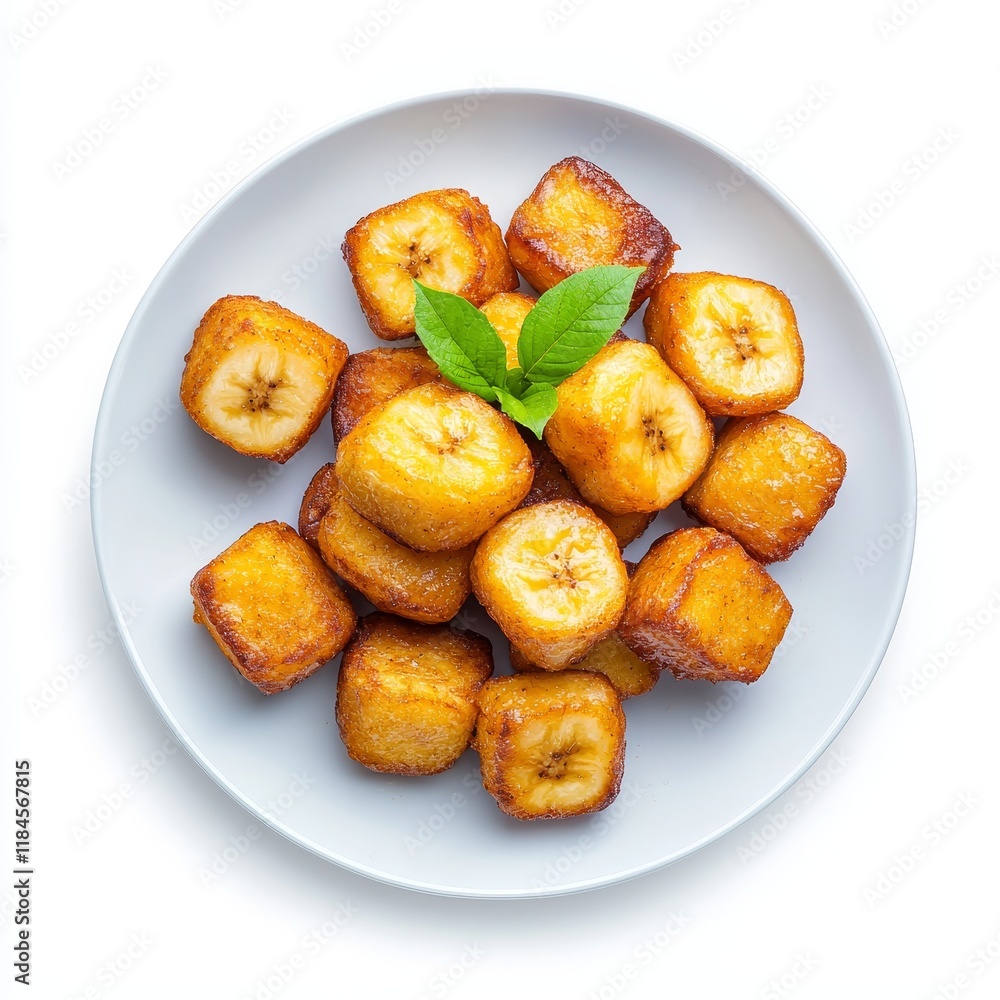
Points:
x=897 y=591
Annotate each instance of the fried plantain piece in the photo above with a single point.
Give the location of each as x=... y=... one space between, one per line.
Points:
x=734 y=341
x=258 y=377
x=630 y=435
x=552 y=577
x=316 y=502
x=273 y=607
x=769 y=481
x=445 y=239
x=370 y=378
x=427 y=587
x=434 y=467
x=611 y=657
x=579 y=216
x=700 y=607
x=550 y=745
x=406 y=694
x=506 y=311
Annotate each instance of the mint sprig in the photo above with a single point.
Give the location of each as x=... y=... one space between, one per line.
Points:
x=565 y=328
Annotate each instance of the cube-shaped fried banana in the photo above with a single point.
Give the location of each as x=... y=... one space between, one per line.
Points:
x=552 y=483
x=700 y=607
x=769 y=481
x=445 y=239
x=316 y=502
x=273 y=607
x=579 y=216
x=611 y=657
x=627 y=430
x=434 y=467
x=552 y=577
x=371 y=378
x=550 y=744
x=260 y=378
x=424 y=586
x=506 y=311
x=734 y=341
x=406 y=694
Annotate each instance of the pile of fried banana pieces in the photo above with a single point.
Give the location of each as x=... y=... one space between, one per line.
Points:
x=435 y=495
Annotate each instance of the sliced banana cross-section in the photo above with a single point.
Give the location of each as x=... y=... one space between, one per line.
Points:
x=260 y=378
x=550 y=744
x=628 y=431
x=734 y=341
x=446 y=239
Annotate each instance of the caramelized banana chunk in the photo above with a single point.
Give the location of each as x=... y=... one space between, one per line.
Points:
x=579 y=216
x=434 y=467
x=550 y=744
x=259 y=378
x=445 y=239
x=406 y=694
x=272 y=607
x=552 y=577
x=627 y=430
x=768 y=483
x=700 y=607
x=734 y=341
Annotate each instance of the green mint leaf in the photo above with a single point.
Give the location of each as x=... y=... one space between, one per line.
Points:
x=515 y=383
x=573 y=320
x=533 y=409
x=461 y=340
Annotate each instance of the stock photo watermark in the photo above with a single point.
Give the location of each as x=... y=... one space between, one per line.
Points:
x=932 y=835
x=710 y=30
x=954 y=300
x=937 y=661
x=424 y=147
x=913 y=169
x=928 y=496
x=66 y=674
x=87 y=310
x=978 y=961
x=237 y=846
x=121 y=108
x=130 y=441
x=898 y=16
x=110 y=973
x=100 y=815
x=802 y=965
x=642 y=955
x=446 y=979
x=31 y=25
x=311 y=946
x=805 y=791
x=248 y=153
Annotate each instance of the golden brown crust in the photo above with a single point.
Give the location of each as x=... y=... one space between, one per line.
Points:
x=444 y=238
x=769 y=482
x=273 y=607
x=629 y=675
x=551 y=745
x=427 y=587
x=370 y=378
x=551 y=576
x=579 y=216
x=243 y=322
x=407 y=694
x=710 y=328
x=552 y=483
x=434 y=467
x=700 y=607
x=316 y=502
x=627 y=430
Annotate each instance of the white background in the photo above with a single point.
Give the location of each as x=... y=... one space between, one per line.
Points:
x=884 y=880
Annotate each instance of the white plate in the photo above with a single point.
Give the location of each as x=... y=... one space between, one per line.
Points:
x=700 y=759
